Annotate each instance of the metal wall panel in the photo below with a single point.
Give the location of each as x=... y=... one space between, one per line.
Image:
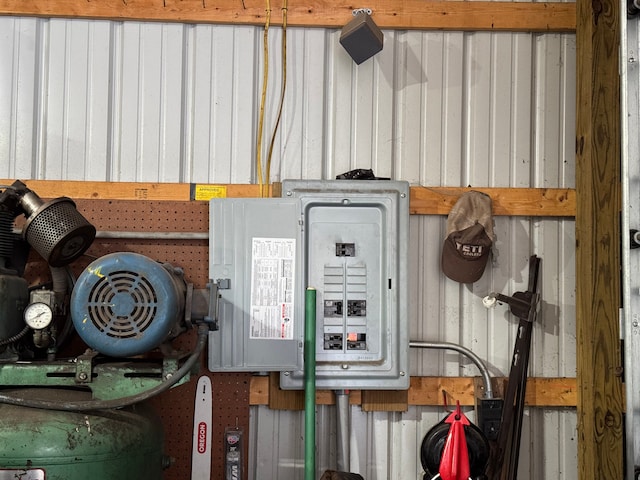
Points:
x=133 y=101
x=630 y=179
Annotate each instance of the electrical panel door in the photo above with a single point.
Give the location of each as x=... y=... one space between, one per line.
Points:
x=255 y=259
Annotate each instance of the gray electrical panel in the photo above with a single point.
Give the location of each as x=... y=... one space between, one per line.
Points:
x=355 y=241
x=351 y=245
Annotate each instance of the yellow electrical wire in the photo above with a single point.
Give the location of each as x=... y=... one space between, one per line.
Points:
x=265 y=77
x=264 y=179
x=284 y=84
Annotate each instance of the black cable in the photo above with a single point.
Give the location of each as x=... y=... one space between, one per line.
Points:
x=14 y=338
x=67 y=328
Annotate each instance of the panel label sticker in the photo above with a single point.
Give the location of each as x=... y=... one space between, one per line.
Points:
x=272 y=287
x=207 y=192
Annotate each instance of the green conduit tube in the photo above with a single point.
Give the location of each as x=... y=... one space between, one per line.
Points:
x=310 y=384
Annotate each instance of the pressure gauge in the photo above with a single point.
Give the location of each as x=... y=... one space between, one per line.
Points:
x=38 y=315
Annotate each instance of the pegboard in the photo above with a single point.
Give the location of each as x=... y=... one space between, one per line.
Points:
x=175 y=407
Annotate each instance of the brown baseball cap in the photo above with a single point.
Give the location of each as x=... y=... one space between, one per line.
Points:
x=467 y=245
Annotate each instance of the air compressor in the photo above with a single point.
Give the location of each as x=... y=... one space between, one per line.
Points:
x=86 y=416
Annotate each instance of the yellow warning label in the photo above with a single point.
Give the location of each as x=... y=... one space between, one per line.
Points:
x=207 y=192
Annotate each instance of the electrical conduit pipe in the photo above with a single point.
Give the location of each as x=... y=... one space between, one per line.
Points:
x=484 y=372
x=310 y=384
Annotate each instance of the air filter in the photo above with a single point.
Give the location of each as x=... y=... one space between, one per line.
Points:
x=55 y=229
x=125 y=304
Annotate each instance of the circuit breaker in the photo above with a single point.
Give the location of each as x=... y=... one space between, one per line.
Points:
x=349 y=241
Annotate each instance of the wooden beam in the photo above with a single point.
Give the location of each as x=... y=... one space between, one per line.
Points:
x=600 y=390
x=546 y=202
x=537 y=202
x=76 y=189
x=388 y=14
x=384 y=400
x=431 y=391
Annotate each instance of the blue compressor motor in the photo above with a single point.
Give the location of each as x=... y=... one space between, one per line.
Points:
x=126 y=304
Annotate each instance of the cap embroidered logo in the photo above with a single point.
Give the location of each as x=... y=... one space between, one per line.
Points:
x=469 y=250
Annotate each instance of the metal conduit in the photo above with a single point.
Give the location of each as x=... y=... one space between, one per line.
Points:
x=146 y=235
x=484 y=372
x=310 y=384
x=343 y=425
x=154 y=235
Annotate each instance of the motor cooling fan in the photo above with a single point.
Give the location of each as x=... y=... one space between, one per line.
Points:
x=125 y=304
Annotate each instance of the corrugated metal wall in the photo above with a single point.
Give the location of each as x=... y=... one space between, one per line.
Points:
x=98 y=100
x=630 y=113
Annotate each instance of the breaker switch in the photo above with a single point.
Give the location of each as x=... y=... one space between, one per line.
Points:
x=333 y=341
x=356 y=341
x=333 y=308
x=356 y=308
x=345 y=249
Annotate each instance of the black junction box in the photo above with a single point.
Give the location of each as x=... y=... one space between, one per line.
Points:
x=361 y=38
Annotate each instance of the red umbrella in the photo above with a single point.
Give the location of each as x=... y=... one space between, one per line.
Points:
x=454 y=464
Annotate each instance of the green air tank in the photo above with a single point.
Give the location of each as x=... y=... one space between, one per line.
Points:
x=123 y=444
